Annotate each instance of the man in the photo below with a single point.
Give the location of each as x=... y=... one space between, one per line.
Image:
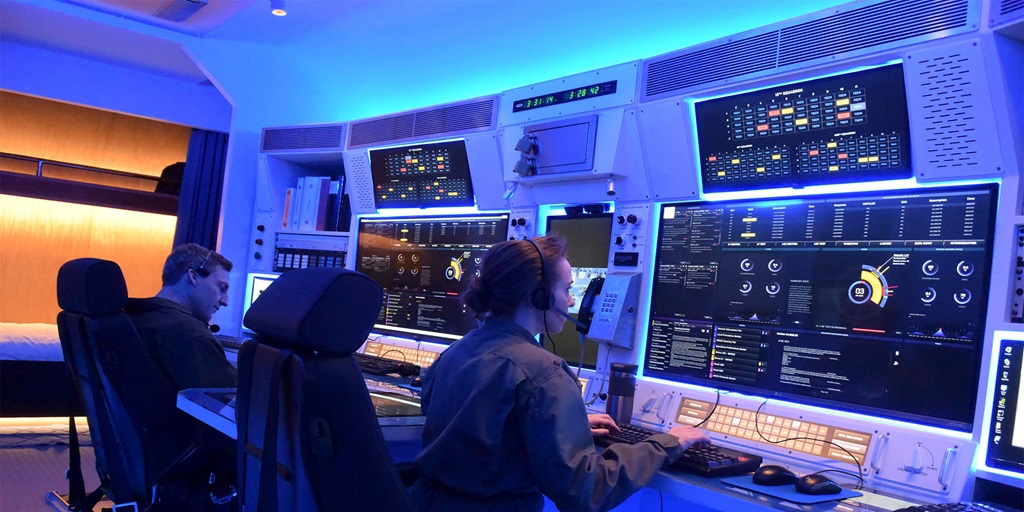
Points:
x=174 y=325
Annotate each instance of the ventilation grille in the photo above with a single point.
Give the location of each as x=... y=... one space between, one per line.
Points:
x=731 y=59
x=949 y=111
x=868 y=27
x=360 y=185
x=304 y=138
x=463 y=117
x=859 y=30
x=1005 y=11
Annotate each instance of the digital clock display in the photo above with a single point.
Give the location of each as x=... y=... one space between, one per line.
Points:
x=575 y=94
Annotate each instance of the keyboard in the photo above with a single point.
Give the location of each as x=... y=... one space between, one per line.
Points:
x=706 y=460
x=229 y=342
x=956 y=507
x=376 y=365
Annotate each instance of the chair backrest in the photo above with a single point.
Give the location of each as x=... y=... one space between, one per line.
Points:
x=138 y=432
x=308 y=437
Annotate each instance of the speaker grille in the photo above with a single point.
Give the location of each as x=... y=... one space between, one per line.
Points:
x=949 y=110
x=828 y=36
x=448 y=119
x=303 y=138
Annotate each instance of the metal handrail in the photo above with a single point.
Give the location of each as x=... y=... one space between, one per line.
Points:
x=40 y=162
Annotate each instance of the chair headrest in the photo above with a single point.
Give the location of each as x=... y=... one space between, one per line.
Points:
x=330 y=310
x=91 y=286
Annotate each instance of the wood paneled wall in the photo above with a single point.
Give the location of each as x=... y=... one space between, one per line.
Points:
x=63 y=132
x=37 y=237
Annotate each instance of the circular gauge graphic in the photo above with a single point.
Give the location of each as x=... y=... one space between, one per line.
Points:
x=400 y=270
x=414 y=271
x=965 y=268
x=454 y=270
x=930 y=268
x=746 y=287
x=774 y=265
x=415 y=258
x=401 y=257
x=746 y=265
x=962 y=297
x=871 y=286
x=773 y=288
x=928 y=295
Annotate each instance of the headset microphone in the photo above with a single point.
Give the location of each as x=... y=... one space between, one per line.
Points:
x=579 y=324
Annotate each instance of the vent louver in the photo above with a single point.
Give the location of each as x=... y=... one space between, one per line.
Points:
x=950 y=111
x=475 y=115
x=1005 y=12
x=829 y=36
x=304 y=138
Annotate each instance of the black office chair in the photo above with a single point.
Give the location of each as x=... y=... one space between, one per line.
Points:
x=308 y=437
x=146 y=449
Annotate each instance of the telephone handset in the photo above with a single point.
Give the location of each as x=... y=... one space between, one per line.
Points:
x=586 y=313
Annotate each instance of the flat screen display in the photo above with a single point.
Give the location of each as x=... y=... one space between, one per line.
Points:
x=838 y=129
x=422 y=175
x=254 y=286
x=1006 y=425
x=588 y=237
x=424 y=264
x=873 y=303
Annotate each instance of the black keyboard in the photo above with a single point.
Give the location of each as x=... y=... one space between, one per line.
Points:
x=229 y=342
x=376 y=365
x=956 y=507
x=705 y=460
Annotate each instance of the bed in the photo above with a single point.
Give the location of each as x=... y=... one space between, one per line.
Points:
x=34 y=381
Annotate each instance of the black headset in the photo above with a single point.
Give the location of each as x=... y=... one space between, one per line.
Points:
x=200 y=270
x=540 y=297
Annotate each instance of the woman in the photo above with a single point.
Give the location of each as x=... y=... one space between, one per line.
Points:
x=506 y=421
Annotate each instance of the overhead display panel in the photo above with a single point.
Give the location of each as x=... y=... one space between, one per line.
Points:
x=421 y=175
x=838 y=129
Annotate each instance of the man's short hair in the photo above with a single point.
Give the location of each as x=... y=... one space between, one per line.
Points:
x=191 y=256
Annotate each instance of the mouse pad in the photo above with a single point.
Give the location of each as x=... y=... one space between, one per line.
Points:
x=787 y=492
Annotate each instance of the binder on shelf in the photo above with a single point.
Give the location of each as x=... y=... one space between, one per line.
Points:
x=335 y=196
x=314 y=203
x=286 y=213
x=296 y=206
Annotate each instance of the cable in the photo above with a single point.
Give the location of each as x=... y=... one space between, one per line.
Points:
x=386 y=352
x=860 y=469
x=718 y=397
x=579 y=363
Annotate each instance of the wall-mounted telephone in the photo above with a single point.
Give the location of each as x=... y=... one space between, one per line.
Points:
x=586 y=314
x=609 y=308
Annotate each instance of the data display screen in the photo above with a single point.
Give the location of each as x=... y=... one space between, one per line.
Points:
x=873 y=303
x=422 y=175
x=843 y=128
x=424 y=264
x=566 y=96
x=1006 y=425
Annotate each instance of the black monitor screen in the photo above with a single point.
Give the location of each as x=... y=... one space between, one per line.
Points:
x=421 y=175
x=424 y=264
x=843 y=128
x=1006 y=424
x=588 y=237
x=873 y=303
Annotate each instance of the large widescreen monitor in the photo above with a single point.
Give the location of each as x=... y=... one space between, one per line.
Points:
x=422 y=175
x=589 y=237
x=873 y=303
x=838 y=129
x=424 y=264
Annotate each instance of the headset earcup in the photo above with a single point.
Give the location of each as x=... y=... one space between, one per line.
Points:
x=540 y=299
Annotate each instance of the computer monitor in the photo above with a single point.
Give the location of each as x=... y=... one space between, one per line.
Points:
x=1005 y=444
x=873 y=302
x=254 y=286
x=424 y=264
x=838 y=129
x=588 y=237
x=422 y=175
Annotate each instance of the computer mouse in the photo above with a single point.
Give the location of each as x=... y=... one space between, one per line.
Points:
x=817 y=483
x=417 y=381
x=774 y=475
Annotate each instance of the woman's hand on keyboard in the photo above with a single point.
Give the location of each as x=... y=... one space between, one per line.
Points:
x=602 y=425
x=689 y=436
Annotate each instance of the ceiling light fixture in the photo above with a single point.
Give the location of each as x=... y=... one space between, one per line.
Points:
x=279 y=7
